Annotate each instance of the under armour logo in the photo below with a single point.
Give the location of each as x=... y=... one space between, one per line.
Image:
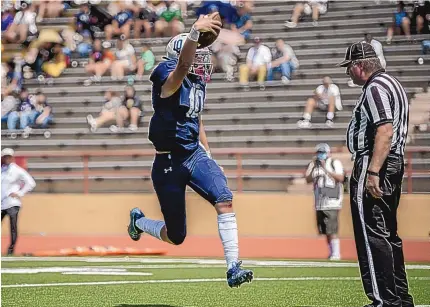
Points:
x=166 y=170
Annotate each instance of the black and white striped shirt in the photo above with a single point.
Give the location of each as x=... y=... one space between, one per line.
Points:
x=383 y=100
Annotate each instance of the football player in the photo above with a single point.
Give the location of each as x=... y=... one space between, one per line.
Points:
x=182 y=152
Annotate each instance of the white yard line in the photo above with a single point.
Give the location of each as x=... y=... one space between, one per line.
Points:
x=208 y=262
x=199 y=280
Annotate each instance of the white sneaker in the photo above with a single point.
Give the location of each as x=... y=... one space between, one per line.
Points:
x=132 y=127
x=285 y=80
x=334 y=258
x=329 y=123
x=290 y=24
x=304 y=123
x=92 y=123
x=262 y=87
x=315 y=23
x=116 y=129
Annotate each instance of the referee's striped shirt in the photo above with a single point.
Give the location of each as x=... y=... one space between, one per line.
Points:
x=383 y=100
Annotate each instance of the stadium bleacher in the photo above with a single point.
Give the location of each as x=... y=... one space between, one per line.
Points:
x=233 y=118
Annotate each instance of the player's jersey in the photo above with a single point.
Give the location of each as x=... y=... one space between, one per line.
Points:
x=175 y=123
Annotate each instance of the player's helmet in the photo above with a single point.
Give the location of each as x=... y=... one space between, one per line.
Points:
x=202 y=65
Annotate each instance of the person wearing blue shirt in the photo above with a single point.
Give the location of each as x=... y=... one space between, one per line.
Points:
x=242 y=22
x=182 y=151
x=121 y=23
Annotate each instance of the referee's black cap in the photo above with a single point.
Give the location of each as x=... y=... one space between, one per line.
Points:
x=358 y=51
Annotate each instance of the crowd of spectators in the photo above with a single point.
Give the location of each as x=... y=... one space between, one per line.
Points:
x=118 y=109
x=102 y=36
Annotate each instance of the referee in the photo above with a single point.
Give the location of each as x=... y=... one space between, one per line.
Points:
x=376 y=137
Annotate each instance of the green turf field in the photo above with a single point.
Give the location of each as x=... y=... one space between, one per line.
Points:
x=164 y=282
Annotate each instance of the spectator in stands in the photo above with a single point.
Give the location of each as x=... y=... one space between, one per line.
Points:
x=242 y=22
x=100 y=60
x=6 y=19
x=425 y=45
x=91 y=19
x=25 y=113
x=401 y=23
x=131 y=109
x=108 y=113
x=170 y=22
x=225 y=57
x=9 y=104
x=310 y=7
x=24 y=24
x=43 y=111
x=145 y=63
x=368 y=38
x=326 y=98
x=46 y=54
x=147 y=16
x=257 y=61
x=421 y=16
x=284 y=61
x=83 y=20
x=13 y=76
x=50 y=9
x=126 y=60
x=58 y=62
x=121 y=24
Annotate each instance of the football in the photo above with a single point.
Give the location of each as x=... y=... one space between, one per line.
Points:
x=207 y=38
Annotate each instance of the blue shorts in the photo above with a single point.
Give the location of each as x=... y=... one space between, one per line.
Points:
x=170 y=176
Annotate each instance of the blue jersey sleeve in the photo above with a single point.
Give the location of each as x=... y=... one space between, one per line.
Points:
x=161 y=72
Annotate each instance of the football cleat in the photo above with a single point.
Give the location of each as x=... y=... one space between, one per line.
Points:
x=134 y=232
x=237 y=276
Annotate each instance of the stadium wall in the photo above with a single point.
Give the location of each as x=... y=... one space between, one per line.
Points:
x=259 y=215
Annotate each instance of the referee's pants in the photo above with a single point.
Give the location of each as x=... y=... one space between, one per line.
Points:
x=379 y=248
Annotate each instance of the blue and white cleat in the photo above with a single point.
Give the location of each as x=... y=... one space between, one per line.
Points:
x=134 y=232
x=237 y=276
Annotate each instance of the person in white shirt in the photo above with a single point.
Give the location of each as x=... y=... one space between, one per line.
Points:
x=15 y=183
x=310 y=7
x=327 y=176
x=257 y=61
x=368 y=38
x=125 y=59
x=326 y=98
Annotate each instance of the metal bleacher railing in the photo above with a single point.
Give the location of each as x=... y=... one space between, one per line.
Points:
x=238 y=153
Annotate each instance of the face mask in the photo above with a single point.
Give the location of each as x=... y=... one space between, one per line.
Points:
x=322 y=156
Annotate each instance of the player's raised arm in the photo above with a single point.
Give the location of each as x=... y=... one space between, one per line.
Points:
x=186 y=57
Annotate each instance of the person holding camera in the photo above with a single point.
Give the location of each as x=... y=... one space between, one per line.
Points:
x=327 y=176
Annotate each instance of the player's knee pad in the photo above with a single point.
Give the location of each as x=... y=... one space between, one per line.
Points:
x=176 y=238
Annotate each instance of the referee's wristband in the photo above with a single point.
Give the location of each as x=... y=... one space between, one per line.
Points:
x=372 y=173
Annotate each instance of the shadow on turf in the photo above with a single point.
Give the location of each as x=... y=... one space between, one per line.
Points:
x=144 y=305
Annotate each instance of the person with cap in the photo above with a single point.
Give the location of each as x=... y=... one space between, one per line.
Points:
x=15 y=183
x=377 y=46
x=376 y=137
x=257 y=61
x=327 y=176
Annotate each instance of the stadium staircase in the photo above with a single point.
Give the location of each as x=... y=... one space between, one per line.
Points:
x=233 y=118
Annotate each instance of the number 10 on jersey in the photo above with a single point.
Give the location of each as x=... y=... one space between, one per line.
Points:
x=197 y=98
